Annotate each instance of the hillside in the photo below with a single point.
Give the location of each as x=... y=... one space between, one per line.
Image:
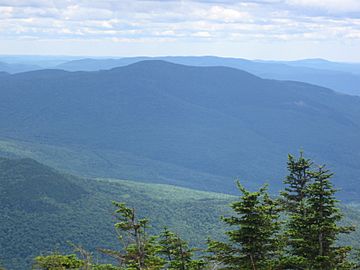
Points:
x=41 y=210
x=342 y=77
x=212 y=123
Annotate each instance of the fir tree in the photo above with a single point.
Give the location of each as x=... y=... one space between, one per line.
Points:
x=253 y=244
x=312 y=219
x=296 y=183
x=323 y=217
x=177 y=252
x=140 y=251
x=294 y=199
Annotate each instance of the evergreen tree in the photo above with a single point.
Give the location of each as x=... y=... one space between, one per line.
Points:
x=140 y=251
x=299 y=177
x=323 y=217
x=312 y=219
x=177 y=253
x=253 y=244
x=294 y=199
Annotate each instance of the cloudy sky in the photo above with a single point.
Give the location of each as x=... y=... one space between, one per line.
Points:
x=255 y=29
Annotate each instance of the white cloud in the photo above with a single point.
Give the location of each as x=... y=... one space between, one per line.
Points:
x=226 y=14
x=333 y=6
x=202 y=34
x=169 y=21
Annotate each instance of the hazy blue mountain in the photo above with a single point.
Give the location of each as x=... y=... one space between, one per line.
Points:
x=325 y=64
x=215 y=122
x=341 y=77
x=16 y=68
x=38 y=61
x=92 y=64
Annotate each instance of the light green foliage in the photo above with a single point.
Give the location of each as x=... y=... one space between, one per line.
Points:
x=253 y=243
x=105 y=267
x=71 y=261
x=58 y=262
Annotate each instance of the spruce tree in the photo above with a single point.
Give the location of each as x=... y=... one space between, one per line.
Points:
x=177 y=253
x=294 y=198
x=296 y=183
x=253 y=243
x=312 y=219
x=139 y=250
x=323 y=217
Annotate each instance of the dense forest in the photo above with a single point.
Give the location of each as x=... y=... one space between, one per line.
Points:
x=189 y=126
x=297 y=229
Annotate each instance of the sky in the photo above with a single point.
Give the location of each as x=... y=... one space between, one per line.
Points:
x=253 y=29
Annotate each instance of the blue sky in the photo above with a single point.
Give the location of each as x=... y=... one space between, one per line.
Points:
x=254 y=29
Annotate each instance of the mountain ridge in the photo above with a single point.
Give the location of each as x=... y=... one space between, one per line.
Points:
x=342 y=77
x=216 y=121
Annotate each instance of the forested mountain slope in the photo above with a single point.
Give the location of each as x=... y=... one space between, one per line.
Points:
x=215 y=122
x=42 y=209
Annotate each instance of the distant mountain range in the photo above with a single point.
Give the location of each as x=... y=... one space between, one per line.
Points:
x=197 y=127
x=342 y=77
x=17 y=68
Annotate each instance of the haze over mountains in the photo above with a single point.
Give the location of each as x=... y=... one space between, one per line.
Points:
x=342 y=77
x=198 y=127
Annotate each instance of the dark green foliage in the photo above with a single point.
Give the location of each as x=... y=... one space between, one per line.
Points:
x=296 y=183
x=30 y=186
x=313 y=229
x=294 y=198
x=139 y=250
x=323 y=215
x=176 y=252
x=253 y=244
